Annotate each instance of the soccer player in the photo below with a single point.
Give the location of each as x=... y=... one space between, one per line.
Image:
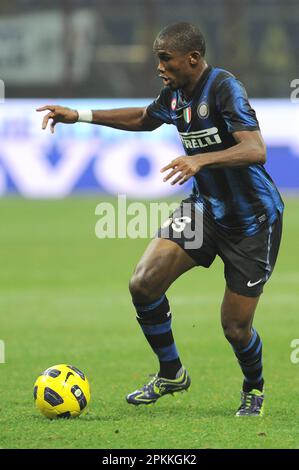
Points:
x=240 y=206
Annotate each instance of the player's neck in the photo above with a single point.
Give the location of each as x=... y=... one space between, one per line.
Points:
x=189 y=89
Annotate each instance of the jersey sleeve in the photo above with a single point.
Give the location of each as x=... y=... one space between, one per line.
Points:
x=159 y=108
x=232 y=103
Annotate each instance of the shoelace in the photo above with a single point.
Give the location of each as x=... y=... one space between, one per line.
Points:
x=249 y=400
x=148 y=386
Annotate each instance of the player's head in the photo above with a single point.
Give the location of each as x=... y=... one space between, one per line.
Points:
x=180 y=48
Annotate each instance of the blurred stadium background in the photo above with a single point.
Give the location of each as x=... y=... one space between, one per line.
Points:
x=63 y=292
x=99 y=49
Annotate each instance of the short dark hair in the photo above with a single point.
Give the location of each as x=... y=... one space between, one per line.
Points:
x=183 y=37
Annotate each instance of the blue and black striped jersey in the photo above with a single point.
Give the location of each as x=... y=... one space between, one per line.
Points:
x=240 y=198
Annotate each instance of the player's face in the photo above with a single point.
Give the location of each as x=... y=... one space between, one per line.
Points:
x=174 y=67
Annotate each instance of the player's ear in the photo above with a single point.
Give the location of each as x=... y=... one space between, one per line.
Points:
x=194 y=58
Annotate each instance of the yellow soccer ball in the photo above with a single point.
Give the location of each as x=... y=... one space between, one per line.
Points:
x=61 y=391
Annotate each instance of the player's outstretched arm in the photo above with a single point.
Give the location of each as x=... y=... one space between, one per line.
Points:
x=58 y=114
x=128 y=119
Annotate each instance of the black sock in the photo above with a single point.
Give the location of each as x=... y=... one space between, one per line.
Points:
x=250 y=360
x=155 y=321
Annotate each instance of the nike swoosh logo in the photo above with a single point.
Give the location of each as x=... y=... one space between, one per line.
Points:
x=68 y=375
x=251 y=284
x=179 y=116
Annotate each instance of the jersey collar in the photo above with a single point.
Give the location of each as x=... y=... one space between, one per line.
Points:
x=198 y=87
x=201 y=82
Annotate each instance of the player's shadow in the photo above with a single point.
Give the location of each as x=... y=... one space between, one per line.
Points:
x=168 y=408
x=200 y=412
x=83 y=418
x=99 y=417
x=156 y=411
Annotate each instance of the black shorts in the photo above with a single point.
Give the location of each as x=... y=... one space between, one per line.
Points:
x=248 y=260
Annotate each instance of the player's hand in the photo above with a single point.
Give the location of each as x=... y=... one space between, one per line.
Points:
x=58 y=114
x=185 y=166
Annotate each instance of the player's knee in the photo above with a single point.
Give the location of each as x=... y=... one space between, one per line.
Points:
x=237 y=335
x=137 y=287
x=144 y=287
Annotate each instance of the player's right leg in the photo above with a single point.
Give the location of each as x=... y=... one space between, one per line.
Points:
x=167 y=258
x=162 y=263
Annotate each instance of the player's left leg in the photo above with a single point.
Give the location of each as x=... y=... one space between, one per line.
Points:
x=237 y=312
x=249 y=262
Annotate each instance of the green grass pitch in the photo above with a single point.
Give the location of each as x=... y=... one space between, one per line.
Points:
x=64 y=298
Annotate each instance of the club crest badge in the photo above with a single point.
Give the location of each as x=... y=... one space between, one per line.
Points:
x=173 y=104
x=187 y=114
x=203 y=110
